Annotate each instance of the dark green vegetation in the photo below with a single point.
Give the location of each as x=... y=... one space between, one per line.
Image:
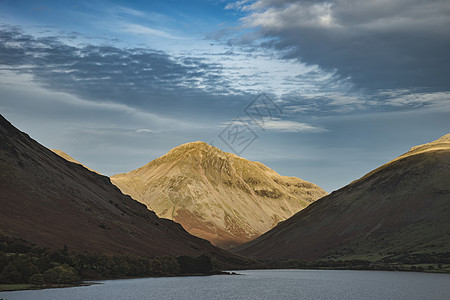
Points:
x=34 y=266
x=432 y=263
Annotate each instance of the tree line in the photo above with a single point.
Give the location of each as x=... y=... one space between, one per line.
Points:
x=24 y=263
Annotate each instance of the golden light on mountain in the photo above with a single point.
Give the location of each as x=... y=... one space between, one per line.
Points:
x=217 y=195
x=70 y=158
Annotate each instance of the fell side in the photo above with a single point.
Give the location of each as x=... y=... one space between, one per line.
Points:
x=52 y=202
x=401 y=209
x=216 y=195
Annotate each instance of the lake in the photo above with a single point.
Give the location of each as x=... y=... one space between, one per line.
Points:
x=260 y=284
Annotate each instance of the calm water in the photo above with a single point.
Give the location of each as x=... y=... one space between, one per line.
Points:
x=261 y=284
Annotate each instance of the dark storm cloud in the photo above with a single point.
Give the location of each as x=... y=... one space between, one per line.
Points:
x=377 y=44
x=139 y=77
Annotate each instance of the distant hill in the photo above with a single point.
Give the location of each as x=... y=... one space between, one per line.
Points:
x=52 y=202
x=401 y=208
x=70 y=158
x=216 y=195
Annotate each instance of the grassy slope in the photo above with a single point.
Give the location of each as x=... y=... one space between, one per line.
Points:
x=400 y=208
x=217 y=195
x=49 y=201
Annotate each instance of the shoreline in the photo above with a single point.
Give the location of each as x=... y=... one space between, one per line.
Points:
x=5 y=287
x=14 y=287
x=89 y=282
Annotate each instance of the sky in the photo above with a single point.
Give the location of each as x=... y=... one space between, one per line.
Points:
x=322 y=90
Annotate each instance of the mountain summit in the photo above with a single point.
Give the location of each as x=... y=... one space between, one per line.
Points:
x=217 y=195
x=400 y=209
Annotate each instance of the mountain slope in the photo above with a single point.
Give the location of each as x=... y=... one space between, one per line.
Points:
x=52 y=202
x=216 y=195
x=70 y=158
x=401 y=207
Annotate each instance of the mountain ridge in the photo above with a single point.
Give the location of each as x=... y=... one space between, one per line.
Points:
x=71 y=159
x=52 y=202
x=400 y=207
x=216 y=195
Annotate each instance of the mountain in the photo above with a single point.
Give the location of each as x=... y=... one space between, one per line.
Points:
x=403 y=207
x=216 y=195
x=70 y=158
x=52 y=202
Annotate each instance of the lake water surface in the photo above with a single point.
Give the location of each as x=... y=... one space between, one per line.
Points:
x=260 y=284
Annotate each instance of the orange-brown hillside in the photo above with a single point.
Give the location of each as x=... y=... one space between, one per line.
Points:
x=216 y=195
x=70 y=158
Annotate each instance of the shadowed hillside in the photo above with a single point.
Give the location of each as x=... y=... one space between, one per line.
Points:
x=52 y=202
x=401 y=208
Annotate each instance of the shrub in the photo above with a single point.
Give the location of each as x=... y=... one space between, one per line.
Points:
x=61 y=274
x=10 y=274
x=37 y=279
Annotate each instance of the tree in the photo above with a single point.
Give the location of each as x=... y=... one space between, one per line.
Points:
x=10 y=274
x=201 y=264
x=67 y=275
x=37 y=279
x=155 y=266
x=24 y=265
x=61 y=274
x=3 y=260
x=204 y=264
x=169 y=265
x=51 y=275
x=186 y=264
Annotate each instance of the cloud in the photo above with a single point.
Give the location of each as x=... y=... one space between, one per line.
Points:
x=119 y=10
x=404 y=98
x=188 y=86
x=145 y=30
x=338 y=103
x=112 y=137
x=291 y=126
x=138 y=77
x=275 y=125
x=148 y=131
x=116 y=18
x=238 y=5
x=157 y=82
x=377 y=44
x=21 y=93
